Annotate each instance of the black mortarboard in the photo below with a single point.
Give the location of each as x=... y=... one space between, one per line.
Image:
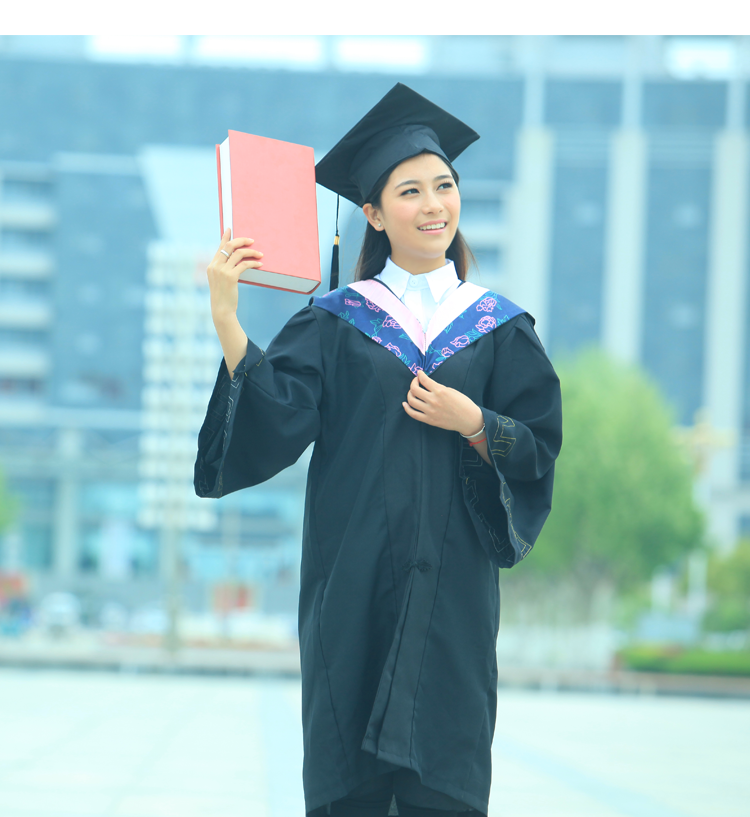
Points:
x=402 y=125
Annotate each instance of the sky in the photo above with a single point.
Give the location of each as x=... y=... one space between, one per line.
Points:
x=386 y=17
x=684 y=56
x=404 y=55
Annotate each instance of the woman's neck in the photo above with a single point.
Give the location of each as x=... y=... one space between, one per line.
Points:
x=418 y=266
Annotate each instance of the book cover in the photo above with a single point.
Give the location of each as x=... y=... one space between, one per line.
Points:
x=267 y=192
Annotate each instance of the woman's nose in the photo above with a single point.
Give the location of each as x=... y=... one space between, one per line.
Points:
x=432 y=203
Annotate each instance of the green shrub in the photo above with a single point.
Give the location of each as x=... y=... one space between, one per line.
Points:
x=690 y=661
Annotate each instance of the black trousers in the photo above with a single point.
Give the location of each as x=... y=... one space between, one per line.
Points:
x=374 y=798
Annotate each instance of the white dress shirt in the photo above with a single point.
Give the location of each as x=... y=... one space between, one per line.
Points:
x=420 y=294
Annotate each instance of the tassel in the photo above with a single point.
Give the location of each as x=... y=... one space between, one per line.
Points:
x=334 y=283
x=335 y=264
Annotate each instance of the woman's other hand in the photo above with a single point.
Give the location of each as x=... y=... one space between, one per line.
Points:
x=437 y=405
x=444 y=407
x=224 y=274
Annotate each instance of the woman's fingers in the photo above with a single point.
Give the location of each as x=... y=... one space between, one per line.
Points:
x=236 y=243
x=416 y=389
x=427 y=382
x=236 y=257
x=243 y=265
x=437 y=405
x=231 y=245
x=224 y=244
x=409 y=408
x=243 y=254
x=224 y=271
x=415 y=402
x=416 y=413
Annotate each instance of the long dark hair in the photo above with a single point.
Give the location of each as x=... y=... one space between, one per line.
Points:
x=376 y=247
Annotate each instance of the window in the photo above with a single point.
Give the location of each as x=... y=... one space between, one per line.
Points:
x=21 y=241
x=22 y=191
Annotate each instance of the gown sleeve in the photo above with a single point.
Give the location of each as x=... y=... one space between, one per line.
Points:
x=263 y=418
x=510 y=500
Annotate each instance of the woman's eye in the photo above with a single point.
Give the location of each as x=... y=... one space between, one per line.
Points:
x=446 y=185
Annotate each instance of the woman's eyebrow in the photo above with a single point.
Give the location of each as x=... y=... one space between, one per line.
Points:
x=416 y=181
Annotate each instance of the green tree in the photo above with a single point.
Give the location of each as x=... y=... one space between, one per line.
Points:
x=623 y=500
x=729 y=590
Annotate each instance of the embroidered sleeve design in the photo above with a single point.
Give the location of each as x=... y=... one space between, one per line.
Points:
x=503 y=438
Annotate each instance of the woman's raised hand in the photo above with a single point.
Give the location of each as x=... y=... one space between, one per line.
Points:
x=224 y=273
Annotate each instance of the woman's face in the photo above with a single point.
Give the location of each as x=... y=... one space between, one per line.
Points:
x=420 y=207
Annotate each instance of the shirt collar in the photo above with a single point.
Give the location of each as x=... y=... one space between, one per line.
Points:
x=439 y=280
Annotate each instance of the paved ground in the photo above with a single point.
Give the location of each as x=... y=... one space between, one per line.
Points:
x=109 y=745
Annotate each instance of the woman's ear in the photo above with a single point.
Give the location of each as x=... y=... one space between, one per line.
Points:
x=372 y=216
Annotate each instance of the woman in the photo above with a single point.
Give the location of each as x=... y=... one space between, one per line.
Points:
x=435 y=415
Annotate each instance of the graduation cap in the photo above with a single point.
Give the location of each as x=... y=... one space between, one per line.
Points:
x=402 y=125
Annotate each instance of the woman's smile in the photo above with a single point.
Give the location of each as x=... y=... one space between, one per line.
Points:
x=433 y=227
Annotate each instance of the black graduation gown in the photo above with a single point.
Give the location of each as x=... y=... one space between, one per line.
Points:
x=405 y=525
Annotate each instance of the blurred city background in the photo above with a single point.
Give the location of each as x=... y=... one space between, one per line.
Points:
x=608 y=195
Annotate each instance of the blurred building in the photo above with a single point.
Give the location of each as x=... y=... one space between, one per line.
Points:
x=608 y=195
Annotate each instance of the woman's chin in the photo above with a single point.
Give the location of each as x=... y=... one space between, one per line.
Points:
x=433 y=248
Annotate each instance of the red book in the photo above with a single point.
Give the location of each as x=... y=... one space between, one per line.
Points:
x=267 y=192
